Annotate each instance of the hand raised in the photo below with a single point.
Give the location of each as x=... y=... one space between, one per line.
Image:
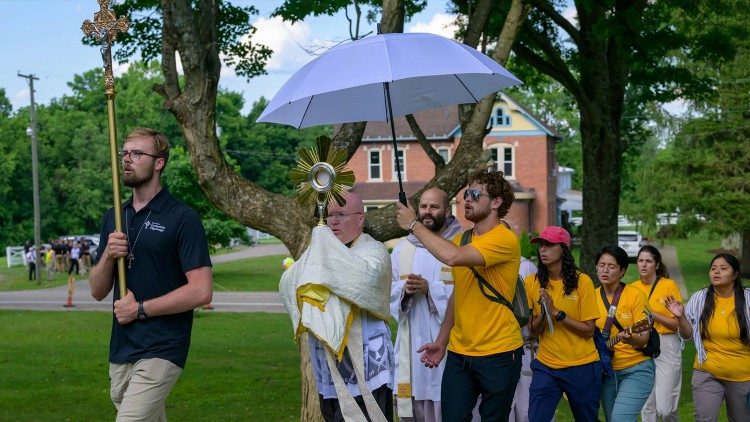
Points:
x=675 y=306
x=405 y=215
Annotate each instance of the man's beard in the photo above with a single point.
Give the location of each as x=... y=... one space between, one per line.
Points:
x=436 y=223
x=478 y=215
x=133 y=181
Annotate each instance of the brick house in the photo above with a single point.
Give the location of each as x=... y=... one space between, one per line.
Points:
x=520 y=144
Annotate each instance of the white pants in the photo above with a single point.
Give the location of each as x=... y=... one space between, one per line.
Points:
x=139 y=390
x=666 y=393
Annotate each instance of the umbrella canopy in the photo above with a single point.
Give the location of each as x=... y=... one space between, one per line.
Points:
x=423 y=71
x=386 y=75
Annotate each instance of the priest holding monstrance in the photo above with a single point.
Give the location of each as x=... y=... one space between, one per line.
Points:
x=338 y=291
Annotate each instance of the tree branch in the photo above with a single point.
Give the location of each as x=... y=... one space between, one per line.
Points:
x=553 y=66
x=426 y=145
x=477 y=22
x=549 y=10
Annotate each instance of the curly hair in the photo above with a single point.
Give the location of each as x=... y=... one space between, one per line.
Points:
x=569 y=271
x=497 y=187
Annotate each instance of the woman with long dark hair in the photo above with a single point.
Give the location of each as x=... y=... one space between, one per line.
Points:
x=716 y=318
x=567 y=361
x=625 y=391
x=657 y=286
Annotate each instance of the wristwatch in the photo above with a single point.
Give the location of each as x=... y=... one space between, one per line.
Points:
x=561 y=315
x=141 y=312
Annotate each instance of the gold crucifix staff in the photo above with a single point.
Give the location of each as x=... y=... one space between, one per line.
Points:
x=105 y=28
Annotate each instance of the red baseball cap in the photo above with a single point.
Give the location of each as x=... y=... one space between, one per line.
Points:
x=553 y=234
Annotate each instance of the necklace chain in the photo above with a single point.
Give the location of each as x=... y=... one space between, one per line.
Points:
x=131 y=249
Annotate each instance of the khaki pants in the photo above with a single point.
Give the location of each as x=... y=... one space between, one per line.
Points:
x=666 y=393
x=139 y=390
x=709 y=392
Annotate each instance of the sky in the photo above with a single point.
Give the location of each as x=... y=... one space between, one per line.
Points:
x=43 y=37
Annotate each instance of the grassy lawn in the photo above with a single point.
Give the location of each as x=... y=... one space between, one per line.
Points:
x=241 y=367
x=260 y=274
x=249 y=275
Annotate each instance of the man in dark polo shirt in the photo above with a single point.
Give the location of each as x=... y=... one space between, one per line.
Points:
x=168 y=272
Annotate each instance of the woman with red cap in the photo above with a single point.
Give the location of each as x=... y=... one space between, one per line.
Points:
x=564 y=302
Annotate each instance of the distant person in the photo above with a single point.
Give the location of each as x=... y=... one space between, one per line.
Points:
x=624 y=393
x=49 y=262
x=168 y=273
x=85 y=255
x=30 y=257
x=420 y=288
x=657 y=286
x=717 y=319
x=75 y=255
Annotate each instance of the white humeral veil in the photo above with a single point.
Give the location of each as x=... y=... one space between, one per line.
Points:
x=326 y=290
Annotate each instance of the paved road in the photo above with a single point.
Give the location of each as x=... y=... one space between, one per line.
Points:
x=54 y=298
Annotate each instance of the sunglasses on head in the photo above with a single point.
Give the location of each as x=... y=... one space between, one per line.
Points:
x=474 y=194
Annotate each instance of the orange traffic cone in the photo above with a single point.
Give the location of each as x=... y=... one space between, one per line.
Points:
x=71 y=290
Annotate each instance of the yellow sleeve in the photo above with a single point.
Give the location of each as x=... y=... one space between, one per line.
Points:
x=497 y=246
x=587 y=298
x=531 y=284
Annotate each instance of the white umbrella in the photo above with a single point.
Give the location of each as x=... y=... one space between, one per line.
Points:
x=386 y=75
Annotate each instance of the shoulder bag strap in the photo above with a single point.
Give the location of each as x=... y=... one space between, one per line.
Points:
x=653 y=286
x=484 y=285
x=611 y=309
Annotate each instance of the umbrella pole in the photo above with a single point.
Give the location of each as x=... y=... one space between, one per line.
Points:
x=401 y=194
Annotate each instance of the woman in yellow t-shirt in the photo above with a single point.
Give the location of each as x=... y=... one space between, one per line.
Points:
x=625 y=391
x=717 y=318
x=657 y=286
x=567 y=361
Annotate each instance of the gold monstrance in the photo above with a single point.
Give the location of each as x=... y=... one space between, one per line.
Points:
x=320 y=175
x=105 y=29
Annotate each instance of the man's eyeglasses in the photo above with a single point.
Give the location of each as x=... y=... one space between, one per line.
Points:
x=339 y=216
x=135 y=154
x=474 y=194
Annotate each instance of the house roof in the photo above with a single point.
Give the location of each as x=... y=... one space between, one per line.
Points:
x=436 y=124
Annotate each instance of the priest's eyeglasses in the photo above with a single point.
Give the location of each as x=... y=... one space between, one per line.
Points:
x=134 y=154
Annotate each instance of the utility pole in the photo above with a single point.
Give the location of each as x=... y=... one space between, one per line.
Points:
x=35 y=180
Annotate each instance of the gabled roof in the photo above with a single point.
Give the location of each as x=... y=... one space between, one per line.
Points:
x=551 y=131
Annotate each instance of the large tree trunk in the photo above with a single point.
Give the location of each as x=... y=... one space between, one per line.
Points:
x=602 y=158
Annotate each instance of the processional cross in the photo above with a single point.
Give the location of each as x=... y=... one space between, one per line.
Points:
x=104 y=29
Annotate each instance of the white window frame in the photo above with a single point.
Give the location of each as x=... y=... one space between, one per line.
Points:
x=394 y=176
x=500 y=165
x=370 y=164
x=447 y=150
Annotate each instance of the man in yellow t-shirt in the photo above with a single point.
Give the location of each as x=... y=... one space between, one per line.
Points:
x=484 y=355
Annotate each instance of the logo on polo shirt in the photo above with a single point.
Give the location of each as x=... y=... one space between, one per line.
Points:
x=153 y=225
